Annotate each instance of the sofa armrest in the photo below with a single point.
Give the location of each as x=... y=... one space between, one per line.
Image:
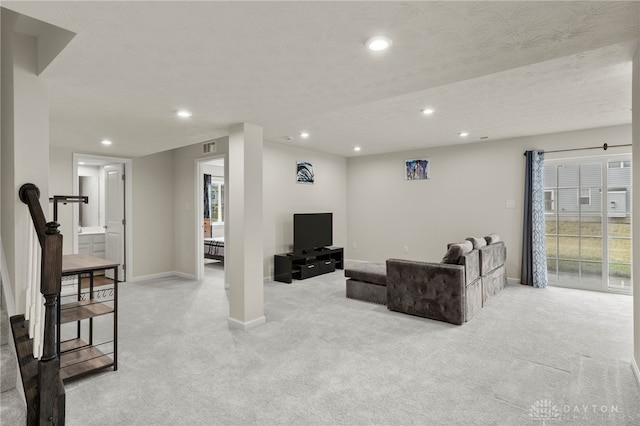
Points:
x=430 y=290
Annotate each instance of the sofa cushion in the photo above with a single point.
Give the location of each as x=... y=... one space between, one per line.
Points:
x=367 y=292
x=477 y=242
x=368 y=272
x=492 y=238
x=471 y=263
x=455 y=252
x=492 y=256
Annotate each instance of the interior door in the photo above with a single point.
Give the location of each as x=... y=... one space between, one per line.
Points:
x=114 y=216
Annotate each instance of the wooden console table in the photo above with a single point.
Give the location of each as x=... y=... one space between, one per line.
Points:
x=79 y=357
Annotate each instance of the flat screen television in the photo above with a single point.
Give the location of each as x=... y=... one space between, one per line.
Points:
x=312 y=231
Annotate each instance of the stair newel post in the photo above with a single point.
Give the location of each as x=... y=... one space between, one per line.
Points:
x=48 y=404
x=50 y=286
x=49 y=383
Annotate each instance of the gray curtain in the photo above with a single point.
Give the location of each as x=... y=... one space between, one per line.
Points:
x=534 y=259
x=207 y=201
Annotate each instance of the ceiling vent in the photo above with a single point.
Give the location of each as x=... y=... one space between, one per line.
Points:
x=209 y=147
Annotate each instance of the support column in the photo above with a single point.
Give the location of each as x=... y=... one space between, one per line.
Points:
x=243 y=250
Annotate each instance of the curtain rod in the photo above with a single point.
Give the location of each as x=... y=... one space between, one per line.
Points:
x=604 y=147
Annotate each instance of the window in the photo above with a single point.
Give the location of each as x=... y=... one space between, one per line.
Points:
x=549 y=201
x=585 y=197
x=619 y=164
x=217 y=202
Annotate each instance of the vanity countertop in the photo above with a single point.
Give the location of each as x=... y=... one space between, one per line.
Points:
x=94 y=230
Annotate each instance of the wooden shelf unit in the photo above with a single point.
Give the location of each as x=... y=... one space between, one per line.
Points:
x=79 y=357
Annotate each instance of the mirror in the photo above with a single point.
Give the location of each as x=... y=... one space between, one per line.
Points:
x=88 y=186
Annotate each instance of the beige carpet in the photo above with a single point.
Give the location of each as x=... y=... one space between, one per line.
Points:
x=553 y=356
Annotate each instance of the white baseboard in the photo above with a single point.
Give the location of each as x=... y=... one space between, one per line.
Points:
x=636 y=371
x=356 y=260
x=513 y=281
x=184 y=275
x=161 y=275
x=237 y=324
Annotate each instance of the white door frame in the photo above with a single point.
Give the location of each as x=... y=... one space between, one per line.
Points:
x=199 y=207
x=128 y=203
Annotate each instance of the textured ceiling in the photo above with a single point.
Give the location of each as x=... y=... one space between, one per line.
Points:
x=496 y=69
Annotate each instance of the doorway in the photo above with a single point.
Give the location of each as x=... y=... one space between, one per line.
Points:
x=211 y=201
x=588 y=223
x=101 y=226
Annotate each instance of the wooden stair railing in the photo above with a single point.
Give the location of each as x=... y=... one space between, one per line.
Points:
x=43 y=388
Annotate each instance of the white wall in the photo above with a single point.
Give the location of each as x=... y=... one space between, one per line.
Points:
x=466 y=195
x=152 y=208
x=216 y=172
x=25 y=148
x=61 y=183
x=153 y=215
x=283 y=196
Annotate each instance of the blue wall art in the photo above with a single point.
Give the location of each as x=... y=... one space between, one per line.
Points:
x=417 y=169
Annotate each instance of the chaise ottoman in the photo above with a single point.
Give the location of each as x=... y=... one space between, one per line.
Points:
x=367 y=282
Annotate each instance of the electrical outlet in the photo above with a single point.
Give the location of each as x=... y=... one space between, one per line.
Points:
x=511 y=204
x=406 y=249
x=354 y=245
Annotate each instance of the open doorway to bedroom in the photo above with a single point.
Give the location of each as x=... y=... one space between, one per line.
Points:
x=211 y=196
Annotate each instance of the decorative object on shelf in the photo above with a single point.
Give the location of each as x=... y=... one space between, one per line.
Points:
x=305 y=172
x=417 y=169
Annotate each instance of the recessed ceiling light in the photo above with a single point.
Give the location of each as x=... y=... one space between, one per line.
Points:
x=427 y=111
x=105 y=142
x=82 y=163
x=304 y=135
x=356 y=148
x=378 y=43
x=463 y=134
x=184 y=113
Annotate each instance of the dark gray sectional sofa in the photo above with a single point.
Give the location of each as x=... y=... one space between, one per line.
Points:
x=452 y=291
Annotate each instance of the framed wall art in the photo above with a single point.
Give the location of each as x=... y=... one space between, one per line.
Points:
x=305 y=172
x=417 y=169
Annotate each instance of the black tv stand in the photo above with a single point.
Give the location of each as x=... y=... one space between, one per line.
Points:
x=307 y=264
